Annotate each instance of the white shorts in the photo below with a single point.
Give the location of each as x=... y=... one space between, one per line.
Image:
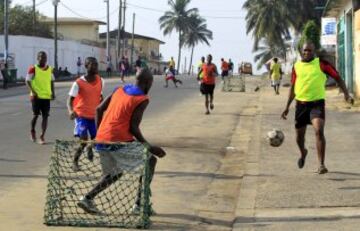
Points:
x=118 y=158
x=275 y=82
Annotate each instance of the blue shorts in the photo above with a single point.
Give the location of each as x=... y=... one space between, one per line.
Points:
x=83 y=127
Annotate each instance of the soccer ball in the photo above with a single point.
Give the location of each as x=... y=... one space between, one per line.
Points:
x=275 y=137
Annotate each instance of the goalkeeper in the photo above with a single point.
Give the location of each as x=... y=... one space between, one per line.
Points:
x=118 y=118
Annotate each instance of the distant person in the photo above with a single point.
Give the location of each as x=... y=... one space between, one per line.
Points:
x=172 y=63
x=309 y=76
x=85 y=95
x=138 y=65
x=66 y=72
x=224 y=69
x=78 y=64
x=122 y=69
x=170 y=75
x=200 y=74
x=40 y=81
x=109 y=68
x=118 y=120
x=275 y=75
x=5 y=75
x=231 y=67
x=210 y=72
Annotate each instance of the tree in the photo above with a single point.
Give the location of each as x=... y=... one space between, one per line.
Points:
x=21 y=22
x=311 y=33
x=267 y=51
x=198 y=33
x=177 y=18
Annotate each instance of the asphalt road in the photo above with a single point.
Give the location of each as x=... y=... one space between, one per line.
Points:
x=21 y=159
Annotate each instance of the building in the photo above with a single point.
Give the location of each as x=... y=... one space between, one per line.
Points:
x=84 y=30
x=146 y=47
x=347 y=14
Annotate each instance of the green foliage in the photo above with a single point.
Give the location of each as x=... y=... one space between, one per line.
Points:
x=21 y=22
x=311 y=33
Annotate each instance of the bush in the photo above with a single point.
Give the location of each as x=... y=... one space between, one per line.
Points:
x=311 y=33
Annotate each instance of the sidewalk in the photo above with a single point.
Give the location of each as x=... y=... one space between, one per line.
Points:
x=276 y=195
x=220 y=174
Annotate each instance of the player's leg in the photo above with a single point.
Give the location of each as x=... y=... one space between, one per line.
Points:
x=211 y=94
x=302 y=118
x=45 y=109
x=36 y=112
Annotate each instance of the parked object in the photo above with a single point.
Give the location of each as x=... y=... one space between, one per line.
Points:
x=245 y=68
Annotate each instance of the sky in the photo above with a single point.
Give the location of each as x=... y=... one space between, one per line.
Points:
x=225 y=18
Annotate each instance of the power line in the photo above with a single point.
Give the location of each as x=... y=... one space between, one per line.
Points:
x=205 y=16
x=84 y=17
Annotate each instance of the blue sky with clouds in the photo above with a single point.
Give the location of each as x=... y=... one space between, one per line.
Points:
x=225 y=18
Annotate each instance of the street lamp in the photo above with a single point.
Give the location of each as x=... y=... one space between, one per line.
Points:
x=55 y=3
x=6 y=30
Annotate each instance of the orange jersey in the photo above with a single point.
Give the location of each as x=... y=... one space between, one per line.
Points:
x=209 y=71
x=115 y=125
x=88 y=98
x=224 y=66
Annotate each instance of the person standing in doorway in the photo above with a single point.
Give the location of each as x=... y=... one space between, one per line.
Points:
x=40 y=81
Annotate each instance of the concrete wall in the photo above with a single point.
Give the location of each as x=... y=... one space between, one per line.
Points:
x=25 y=49
x=79 y=32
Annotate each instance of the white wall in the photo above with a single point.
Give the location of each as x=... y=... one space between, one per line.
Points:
x=25 y=49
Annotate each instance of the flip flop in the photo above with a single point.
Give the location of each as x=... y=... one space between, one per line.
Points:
x=301 y=161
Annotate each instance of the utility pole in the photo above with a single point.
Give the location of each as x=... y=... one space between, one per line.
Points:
x=6 y=30
x=132 y=41
x=34 y=18
x=55 y=3
x=124 y=38
x=107 y=31
x=119 y=31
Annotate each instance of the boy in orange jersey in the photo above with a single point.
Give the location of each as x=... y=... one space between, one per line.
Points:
x=84 y=96
x=207 y=86
x=118 y=119
x=224 y=69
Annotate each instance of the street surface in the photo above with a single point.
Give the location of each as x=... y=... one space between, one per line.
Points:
x=219 y=174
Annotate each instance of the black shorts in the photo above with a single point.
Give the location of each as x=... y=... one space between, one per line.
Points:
x=207 y=89
x=224 y=73
x=41 y=106
x=305 y=112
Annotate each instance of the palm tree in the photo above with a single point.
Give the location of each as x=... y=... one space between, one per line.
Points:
x=266 y=19
x=177 y=18
x=198 y=33
x=267 y=50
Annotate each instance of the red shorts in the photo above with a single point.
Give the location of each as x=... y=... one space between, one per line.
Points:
x=170 y=78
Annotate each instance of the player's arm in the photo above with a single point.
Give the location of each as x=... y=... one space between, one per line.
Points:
x=328 y=69
x=69 y=104
x=29 y=78
x=101 y=109
x=291 y=96
x=135 y=129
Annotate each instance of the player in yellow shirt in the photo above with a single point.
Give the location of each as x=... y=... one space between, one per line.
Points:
x=275 y=75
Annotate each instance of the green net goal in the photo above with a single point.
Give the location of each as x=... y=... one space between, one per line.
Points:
x=116 y=202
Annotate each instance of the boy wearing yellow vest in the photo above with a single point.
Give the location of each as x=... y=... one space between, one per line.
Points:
x=84 y=96
x=118 y=119
x=308 y=89
x=275 y=75
x=40 y=81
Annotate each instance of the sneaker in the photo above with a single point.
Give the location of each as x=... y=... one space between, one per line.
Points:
x=88 y=206
x=322 y=169
x=33 y=136
x=135 y=209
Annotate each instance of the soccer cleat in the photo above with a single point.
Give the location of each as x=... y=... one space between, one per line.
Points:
x=88 y=206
